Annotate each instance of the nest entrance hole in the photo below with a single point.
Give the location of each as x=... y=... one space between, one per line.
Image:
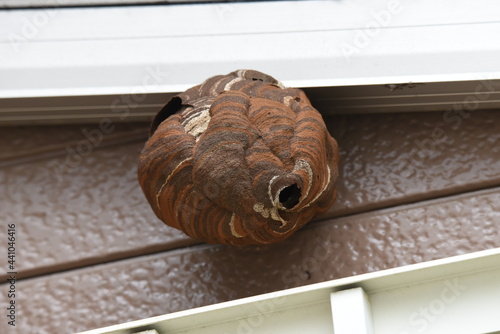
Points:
x=289 y=196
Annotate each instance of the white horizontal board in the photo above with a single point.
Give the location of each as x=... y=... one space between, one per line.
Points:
x=105 y=50
x=468 y=303
x=99 y=51
x=230 y=18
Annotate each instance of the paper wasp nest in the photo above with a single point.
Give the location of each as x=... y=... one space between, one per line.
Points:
x=239 y=160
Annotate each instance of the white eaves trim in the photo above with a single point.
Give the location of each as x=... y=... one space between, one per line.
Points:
x=459 y=295
x=103 y=51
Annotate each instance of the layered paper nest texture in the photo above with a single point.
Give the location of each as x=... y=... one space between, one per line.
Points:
x=239 y=160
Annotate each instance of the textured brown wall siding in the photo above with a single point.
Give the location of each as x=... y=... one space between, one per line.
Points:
x=391 y=159
x=171 y=281
x=95 y=213
x=20 y=145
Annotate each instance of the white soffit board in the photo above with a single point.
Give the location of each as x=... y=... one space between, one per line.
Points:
x=459 y=295
x=353 y=49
